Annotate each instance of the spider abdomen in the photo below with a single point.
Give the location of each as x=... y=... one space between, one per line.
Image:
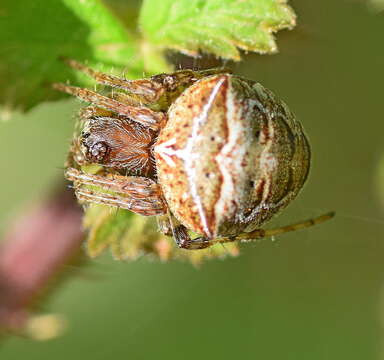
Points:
x=230 y=156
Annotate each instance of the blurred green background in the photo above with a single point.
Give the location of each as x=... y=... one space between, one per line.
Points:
x=315 y=294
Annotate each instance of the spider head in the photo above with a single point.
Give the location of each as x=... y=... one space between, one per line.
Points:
x=117 y=143
x=94 y=149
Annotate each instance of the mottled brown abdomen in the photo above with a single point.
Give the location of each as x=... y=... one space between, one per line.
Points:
x=230 y=156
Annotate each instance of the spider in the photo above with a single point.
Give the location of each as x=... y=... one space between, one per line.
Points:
x=204 y=151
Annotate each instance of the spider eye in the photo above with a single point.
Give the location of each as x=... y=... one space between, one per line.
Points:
x=97 y=152
x=84 y=134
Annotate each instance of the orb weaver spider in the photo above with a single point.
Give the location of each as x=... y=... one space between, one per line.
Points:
x=204 y=151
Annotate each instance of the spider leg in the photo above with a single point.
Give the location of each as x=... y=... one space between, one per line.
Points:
x=184 y=241
x=261 y=233
x=142 y=115
x=89 y=112
x=214 y=71
x=171 y=226
x=138 y=194
x=129 y=99
x=143 y=207
x=147 y=90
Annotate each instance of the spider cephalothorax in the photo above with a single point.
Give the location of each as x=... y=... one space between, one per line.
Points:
x=118 y=143
x=205 y=151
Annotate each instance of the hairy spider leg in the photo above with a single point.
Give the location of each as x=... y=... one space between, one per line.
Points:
x=148 y=90
x=129 y=99
x=182 y=239
x=89 y=112
x=142 y=115
x=138 y=194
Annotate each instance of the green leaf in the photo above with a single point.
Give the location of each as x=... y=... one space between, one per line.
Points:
x=129 y=236
x=219 y=27
x=34 y=34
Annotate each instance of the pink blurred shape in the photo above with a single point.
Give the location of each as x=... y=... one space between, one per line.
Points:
x=33 y=253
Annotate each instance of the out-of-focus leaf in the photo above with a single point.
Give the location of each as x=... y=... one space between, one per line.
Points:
x=377 y=5
x=130 y=236
x=34 y=34
x=219 y=27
